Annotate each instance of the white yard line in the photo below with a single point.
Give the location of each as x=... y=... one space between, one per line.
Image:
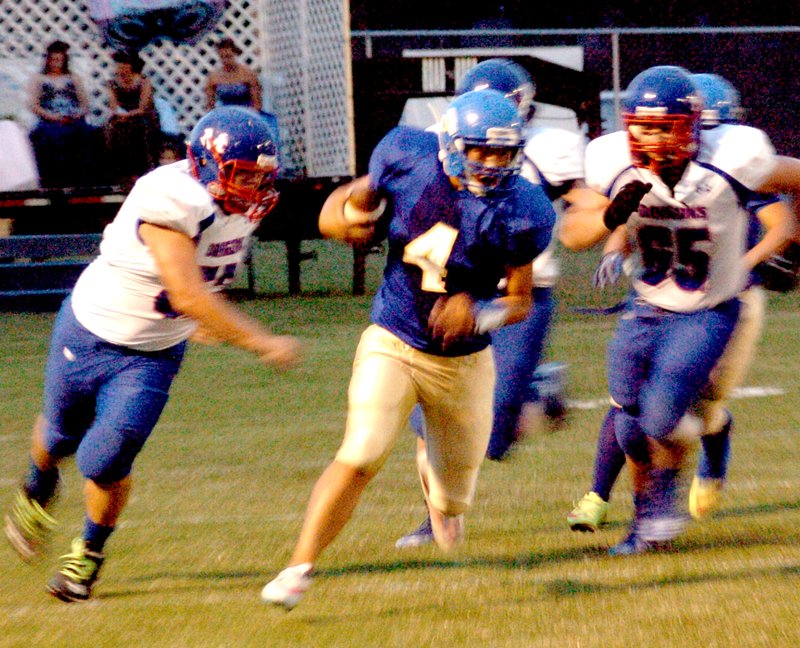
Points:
x=739 y=392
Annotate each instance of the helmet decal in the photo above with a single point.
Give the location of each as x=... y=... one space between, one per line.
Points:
x=215 y=142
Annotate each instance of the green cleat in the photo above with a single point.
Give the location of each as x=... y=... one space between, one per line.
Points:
x=589 y=513
x=28 y=526
x=78 y=573
x=704 y=496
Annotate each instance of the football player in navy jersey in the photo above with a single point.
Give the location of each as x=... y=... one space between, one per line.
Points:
x=721 y=105
x=681 y=196
x=553 y=160
x=120 y=337
x=458 y=219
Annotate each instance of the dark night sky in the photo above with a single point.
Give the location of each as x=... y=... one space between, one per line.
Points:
x=528 y=14
x=764 y=95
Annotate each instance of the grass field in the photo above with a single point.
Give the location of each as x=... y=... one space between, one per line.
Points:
x=221 y=488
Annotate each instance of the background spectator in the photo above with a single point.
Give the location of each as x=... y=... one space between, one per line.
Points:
x=133 y=136
x=232 y=84
x=173 y=149
x=64 y=144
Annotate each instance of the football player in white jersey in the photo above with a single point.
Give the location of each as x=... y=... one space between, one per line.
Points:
x=721 y=105
x=554 y=161
x=682 y=196
x=119 y=338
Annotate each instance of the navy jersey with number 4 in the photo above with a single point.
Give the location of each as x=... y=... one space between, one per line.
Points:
x=445 y=241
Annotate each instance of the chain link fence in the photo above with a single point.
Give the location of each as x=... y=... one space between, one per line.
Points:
x=760 y=61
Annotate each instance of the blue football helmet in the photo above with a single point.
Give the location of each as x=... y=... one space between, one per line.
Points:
x=721 y=101
x=481 y=141
x=661 y=113
x=505 y=76
x=233 y=151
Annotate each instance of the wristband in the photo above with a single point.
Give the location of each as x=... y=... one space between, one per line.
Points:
x=355 y=216
x=489 y=315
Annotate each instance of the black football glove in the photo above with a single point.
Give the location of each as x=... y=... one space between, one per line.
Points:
x=625 y=203
x=781 y=272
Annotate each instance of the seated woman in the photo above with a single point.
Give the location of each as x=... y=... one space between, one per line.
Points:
x=232 y=83
x=133 y=136
x=63 y=143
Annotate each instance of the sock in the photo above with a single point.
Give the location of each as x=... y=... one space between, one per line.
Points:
x=41 y=484
x=660 y=496
x=95 y=535
x=609 y=459
x=715 y=451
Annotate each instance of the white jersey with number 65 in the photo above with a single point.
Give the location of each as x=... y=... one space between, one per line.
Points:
x=688 y=243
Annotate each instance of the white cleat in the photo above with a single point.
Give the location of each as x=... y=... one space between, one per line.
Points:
x=288 y=587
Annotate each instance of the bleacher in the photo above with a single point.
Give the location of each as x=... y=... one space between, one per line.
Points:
x=39 y=270
x=56 y=233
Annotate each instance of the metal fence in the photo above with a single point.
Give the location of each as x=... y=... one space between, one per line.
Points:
x=760 y=61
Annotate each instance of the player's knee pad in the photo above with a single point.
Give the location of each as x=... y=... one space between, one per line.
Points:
x=452 y=499
x=55 y=437
x=59 y=445
x=103 y=467
x=505 y=434
x=657 y=422
x=103 y=472
x=630 y=436
x=363 y=461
